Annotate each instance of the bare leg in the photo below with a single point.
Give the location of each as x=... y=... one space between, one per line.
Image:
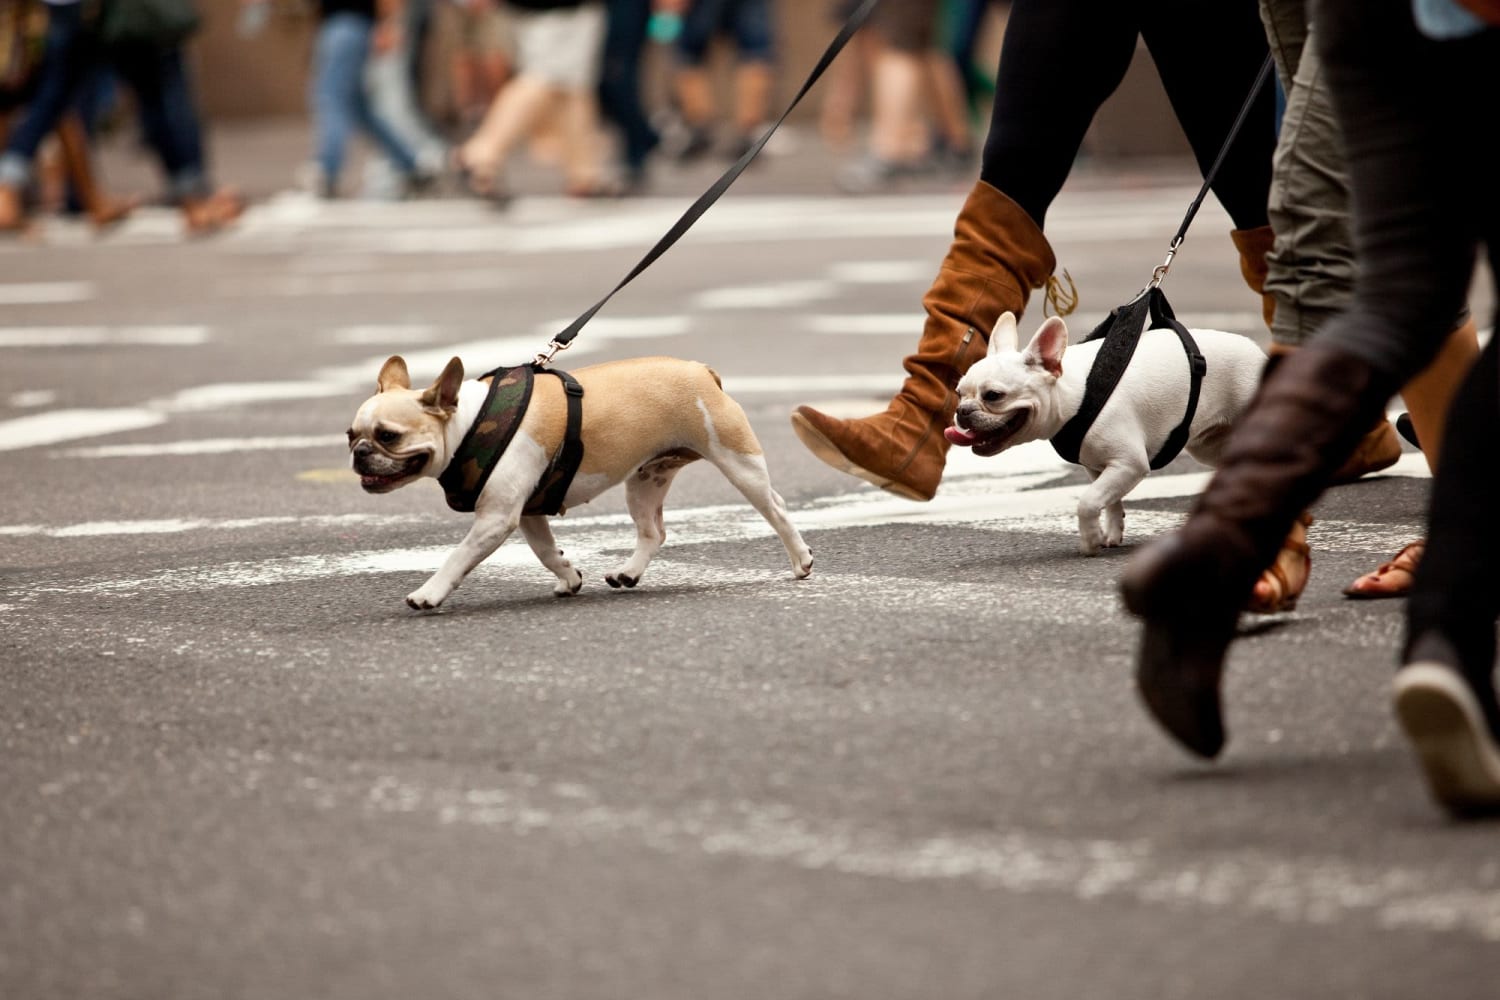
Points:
x=510 y=118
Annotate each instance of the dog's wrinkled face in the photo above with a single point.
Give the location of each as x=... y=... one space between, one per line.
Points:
x=400 y=433
x=1009 y=396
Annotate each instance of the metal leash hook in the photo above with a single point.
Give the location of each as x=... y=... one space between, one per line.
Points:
x=544 y=359
x=1161 y=269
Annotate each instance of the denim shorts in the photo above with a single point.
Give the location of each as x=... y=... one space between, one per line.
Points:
x=747 y=22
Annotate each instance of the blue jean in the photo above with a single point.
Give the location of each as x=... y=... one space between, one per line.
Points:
x=66 y=59
x=747 y=22
x=339 y=99
x=619 y=82
x=169 y=119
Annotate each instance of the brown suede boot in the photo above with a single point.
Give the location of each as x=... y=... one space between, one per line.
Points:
x=1190 y=585
x=12 y=210
x=997 y=257
x=1253 y=245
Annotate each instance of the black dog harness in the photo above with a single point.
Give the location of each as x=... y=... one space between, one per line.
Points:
x=491 y=433
x=1121 y=332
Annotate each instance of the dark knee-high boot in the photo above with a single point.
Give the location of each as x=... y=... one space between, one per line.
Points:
x=1311 y=411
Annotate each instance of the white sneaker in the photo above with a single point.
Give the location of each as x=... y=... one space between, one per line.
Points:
x=1446 y=726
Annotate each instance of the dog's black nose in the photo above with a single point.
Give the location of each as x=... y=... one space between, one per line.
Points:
x=363 y=449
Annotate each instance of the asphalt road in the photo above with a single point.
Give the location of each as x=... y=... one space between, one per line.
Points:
x=236 y=765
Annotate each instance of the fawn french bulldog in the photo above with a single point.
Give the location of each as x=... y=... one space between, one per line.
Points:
x=643 y=420
x=1014 y=395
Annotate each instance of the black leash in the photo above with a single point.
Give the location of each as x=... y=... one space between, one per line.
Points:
x=1208 y=178
x=716 y=190
x=1122 y=329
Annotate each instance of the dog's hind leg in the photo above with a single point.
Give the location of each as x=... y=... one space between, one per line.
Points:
x=645 y=493
x=537 y=531
x=750 y=476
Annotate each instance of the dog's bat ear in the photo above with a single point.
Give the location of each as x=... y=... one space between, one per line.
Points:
x=442 y=395
x=393 y=374
x=1047 y=346
x=1005 y=337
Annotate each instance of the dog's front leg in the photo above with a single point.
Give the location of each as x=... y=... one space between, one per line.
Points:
x=485 y=535
x=1106 y=495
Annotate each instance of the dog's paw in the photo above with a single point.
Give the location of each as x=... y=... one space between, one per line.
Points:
x=425 y=598
x=1089 y=544
x=621 y=579
x=569 y=587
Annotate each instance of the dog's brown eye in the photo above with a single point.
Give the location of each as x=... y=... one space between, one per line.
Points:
x=350 y=435
x=992 y=395
x=387 y=436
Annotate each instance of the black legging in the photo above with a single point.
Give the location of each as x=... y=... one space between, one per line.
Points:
x=1062 y=58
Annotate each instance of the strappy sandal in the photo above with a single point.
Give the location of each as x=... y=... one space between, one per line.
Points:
x=1390 y=579
x=477 y=181
x=1274 y=591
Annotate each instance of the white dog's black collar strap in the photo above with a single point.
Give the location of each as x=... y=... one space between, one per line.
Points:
x=1121 y=332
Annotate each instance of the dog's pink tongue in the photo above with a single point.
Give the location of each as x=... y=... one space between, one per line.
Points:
x=957 y=435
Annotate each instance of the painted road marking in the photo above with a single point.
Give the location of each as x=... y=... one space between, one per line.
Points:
x=1009 y=496
x=206 y=446
x=93 y=336
x=34 y=293
x=1306 y=890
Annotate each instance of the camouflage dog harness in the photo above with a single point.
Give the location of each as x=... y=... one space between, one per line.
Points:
x=491 y=433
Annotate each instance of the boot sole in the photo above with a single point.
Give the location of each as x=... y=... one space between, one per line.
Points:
x=828 y=452
x=1446 y=726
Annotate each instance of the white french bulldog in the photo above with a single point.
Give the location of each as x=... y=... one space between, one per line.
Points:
x=1015 y=395
x=643 y=420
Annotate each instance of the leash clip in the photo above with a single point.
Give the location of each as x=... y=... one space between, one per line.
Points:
x=1161 y=269
x=545 y=357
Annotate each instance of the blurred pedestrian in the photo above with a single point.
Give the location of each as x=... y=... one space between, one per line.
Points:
x=620 y=87
x=1420 y=215
x=481 y=60
x=559 y=45
x=395 y=86
x=1307 y=262
x=146 y=52
x=348 y=32
x=750 y=27
x=918 y=118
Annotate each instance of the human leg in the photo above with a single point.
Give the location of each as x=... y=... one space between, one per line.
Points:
x=1415 y=243
x=692 y=89
x=620 y=83
x=999 y=253
x=1444 y=693
x=65 y=61
x=754 y=41
x=338 y=60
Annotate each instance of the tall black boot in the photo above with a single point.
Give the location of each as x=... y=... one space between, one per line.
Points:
x=1189 y=586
